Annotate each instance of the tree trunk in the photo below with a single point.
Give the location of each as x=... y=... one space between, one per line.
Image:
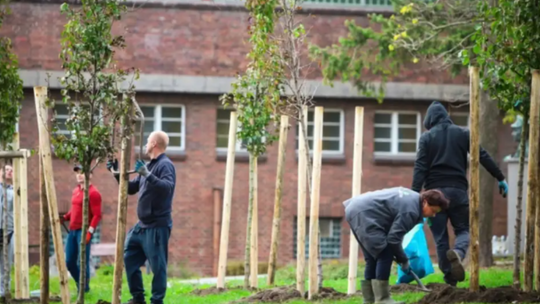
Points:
x=519 y=205
x=272 y=263
x=82 y=251
x=5 y=252
x=122 y=207
x=44 y=231
x=252 y=161
x=489 y=124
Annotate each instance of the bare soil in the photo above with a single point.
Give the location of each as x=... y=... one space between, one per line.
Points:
x=284 y=294
x=506 y=294
x=401 y=288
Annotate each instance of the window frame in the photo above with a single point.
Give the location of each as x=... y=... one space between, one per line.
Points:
x=461 y=114
x=62 y=116
x=341 y=150
x=158 y=122
x=238 y=146
x=394 y=132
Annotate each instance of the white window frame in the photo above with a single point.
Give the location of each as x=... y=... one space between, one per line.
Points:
x=394 y=132
x=66 y=117
x=158 y=119
x=238 y=145
x=341 y=137
x=462 y=114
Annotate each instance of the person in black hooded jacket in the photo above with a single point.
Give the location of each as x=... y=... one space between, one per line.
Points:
x=441 y=163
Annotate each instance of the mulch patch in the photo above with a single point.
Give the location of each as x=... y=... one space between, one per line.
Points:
x=287 y=293
x=401 y=288
x=36 y=300
x=506 y=294
x=102 y=302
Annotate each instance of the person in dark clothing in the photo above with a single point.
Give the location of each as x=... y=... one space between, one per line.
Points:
x=149 y=238
x=379 y=220
x=441 y=163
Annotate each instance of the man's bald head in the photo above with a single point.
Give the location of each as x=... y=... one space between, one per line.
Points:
x=157 y=143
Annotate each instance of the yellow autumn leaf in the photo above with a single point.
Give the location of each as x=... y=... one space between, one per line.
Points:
x=396 y=37
x=391 y=47
x=414 y=21
x=415 y=60
x=404 y=34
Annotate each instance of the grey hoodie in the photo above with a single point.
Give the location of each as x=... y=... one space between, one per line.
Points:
x=382 y=218
x=10 y=207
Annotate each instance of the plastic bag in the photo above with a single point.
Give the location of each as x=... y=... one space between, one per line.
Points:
x=416 y=248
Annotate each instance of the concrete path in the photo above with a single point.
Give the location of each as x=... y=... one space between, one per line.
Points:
x=203 y=281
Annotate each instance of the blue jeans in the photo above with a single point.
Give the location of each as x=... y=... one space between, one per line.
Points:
x=458 y=215
x=150 y=244
x=378 y=268
x=73 y=244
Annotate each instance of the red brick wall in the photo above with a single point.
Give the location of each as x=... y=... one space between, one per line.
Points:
x=187 y=41
x=200 y=172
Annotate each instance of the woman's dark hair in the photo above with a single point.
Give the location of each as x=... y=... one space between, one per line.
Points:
x=435 y=198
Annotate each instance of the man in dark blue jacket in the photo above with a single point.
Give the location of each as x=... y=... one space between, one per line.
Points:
x=441 y=163
x=149 y=239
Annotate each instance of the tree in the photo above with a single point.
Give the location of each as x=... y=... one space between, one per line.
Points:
x=437 y=33
x=256 y=95
x=11 y=94
x=91 y=93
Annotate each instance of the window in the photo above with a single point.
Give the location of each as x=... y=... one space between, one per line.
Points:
x=333 y=131
x=396 y=132
x=222 y=131
x=460 y=119
x=61 y=115
x=330 y=238
x=170 y=119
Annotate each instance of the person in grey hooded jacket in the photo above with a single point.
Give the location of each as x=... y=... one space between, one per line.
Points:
x=379 y=220
x=9 y=192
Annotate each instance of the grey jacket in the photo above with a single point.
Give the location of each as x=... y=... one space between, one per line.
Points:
x=10 y=207
x=382 y=218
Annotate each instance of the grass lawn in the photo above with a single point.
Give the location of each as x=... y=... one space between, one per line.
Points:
x=101 y=286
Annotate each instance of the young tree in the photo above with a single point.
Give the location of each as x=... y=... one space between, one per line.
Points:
x=256 y=96
x=92 y=94
x=11 y=94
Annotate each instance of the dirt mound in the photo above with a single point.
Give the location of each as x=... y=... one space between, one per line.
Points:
x=329 y=293
x=208 y=291
x=52 y=299
x=450 y=295
x=401 y=288
x=277 y=295
x=102 y=302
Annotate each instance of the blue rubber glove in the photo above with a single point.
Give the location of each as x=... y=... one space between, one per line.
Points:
x=503 y=188
x=140 y=167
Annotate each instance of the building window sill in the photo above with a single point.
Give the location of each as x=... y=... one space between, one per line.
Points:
x=240 y=156
x=395 y=160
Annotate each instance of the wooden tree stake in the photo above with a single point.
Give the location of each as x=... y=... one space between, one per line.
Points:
x=535 y=100
x=122 y=205
x=40 y=94
x=474 y=194
x=301 y=217
x=532 y=186
x=17 y=219
x=272 y=263
x=25 y=282
x=218 y=204
x=254 y=243
x=227 y=200
x=314 y=209
x=44 y=235
x=356 y=190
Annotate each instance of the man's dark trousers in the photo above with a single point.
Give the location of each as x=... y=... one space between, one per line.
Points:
x=73 y=244
x=458 y=214
x=150 y=244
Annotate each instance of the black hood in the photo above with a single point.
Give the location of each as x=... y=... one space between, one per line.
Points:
x=436 y=114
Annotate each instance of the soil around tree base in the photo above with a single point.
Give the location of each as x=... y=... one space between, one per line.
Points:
x=506 y=294
x=284 y=294
x=401 y=288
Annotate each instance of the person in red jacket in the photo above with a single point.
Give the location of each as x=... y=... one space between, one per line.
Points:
x=74 y=216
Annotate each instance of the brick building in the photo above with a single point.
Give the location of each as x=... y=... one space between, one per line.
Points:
x=188 y=52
